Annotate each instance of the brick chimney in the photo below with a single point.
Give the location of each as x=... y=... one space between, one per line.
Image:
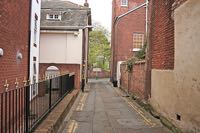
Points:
x=86 y=4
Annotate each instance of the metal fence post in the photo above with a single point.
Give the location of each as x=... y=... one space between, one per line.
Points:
x=60 y=79
x=27 y=101
x=73 y=81
x=50 y=88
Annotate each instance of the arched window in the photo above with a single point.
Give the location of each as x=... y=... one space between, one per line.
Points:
x=52 y=71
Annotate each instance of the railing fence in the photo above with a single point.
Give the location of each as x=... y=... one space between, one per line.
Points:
x=22 y=109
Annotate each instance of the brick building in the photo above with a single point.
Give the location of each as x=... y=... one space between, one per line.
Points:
x=174 y=61
x=128 y=33
x=14 y=42
x=64 y=38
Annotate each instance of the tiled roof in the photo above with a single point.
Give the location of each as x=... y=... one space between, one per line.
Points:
x=57 y=4
x=72 y=15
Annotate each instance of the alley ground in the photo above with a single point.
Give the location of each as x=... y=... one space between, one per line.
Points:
x=103 y=109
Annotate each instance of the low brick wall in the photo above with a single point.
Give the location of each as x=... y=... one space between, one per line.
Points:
x=136 y=81
x=53 y=121
x=64 y=68
x=102 y=74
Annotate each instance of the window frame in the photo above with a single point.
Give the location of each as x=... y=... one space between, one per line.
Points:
x=50 y=16
x=56 y=16
x=53 y=17
x=136 y=40
x=124 y=4
x=35 y=29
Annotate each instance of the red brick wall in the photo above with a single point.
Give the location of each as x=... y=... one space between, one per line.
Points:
x=102 y=74
x=136 y=79
x=14 y=25
x=64 y=68
x=124 y=78
x=162 y=35
x=122 y=32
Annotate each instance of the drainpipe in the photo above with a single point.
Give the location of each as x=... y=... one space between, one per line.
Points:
x=149 y=55
x=146 y=22
x=27 y=112
x=120 y=17
x=132 y=10
x=29 y=37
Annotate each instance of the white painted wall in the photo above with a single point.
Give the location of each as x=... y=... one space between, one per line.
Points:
x=74 y=48
x=61 y=47
x=119 y=72
x=34 y=51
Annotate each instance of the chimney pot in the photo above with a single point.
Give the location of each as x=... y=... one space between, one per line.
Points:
x=86 y=4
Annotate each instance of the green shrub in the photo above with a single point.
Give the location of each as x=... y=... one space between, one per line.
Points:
x=142 y=53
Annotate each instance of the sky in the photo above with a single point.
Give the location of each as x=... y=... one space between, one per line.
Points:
x=101 y=11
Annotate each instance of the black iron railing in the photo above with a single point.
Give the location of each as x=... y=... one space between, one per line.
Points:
x=22 y=109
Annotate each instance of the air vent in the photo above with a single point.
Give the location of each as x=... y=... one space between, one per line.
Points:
x=178 y=117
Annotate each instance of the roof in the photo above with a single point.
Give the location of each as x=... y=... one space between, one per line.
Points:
x=73 y=16
x=56 y=4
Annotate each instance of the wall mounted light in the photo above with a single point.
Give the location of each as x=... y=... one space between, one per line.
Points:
x=76 y=33
x=1 y=52
x=19 y=56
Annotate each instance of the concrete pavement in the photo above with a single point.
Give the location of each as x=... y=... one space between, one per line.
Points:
x=103 y=109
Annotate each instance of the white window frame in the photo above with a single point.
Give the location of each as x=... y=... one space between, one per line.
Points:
x=138 y=34
x=35 y=30
x=56 y=16
x=124 y=2
x=53 y=17
x=34 y=76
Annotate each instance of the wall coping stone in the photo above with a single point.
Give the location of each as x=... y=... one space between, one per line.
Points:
x=53 y=121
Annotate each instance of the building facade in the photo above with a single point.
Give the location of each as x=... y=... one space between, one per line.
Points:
x=174 y=55
x=64 y=38
x=128 y=33
x=34 y=41
x=14 y=43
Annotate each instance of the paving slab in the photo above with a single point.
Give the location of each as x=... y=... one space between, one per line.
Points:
x=103 y=109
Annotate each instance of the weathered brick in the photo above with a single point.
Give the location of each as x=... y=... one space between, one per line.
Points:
x=162 y=35
x=135 y=80
x=63 y=68
x=14 y=25
x=122 y=32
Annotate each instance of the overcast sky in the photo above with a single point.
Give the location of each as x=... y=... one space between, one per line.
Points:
x=101 y=11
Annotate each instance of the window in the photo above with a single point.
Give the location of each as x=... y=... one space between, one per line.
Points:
x=34 y=68
x=35 y=29
x=138 y=40
x=56 y=16
x=34 y=76
x=53 y=17
x=124 y=2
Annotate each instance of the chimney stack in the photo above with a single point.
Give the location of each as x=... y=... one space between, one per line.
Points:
x=86 y=4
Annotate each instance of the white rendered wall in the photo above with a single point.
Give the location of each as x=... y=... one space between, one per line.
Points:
x=34 y=51
x=61 y=47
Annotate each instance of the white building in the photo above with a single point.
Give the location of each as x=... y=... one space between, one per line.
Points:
x=34 y=39
x=64 y=38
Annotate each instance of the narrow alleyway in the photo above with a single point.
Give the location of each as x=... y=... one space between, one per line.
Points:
x=103 y=109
